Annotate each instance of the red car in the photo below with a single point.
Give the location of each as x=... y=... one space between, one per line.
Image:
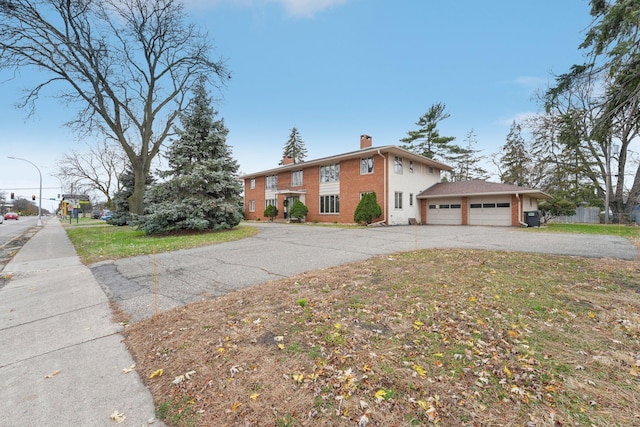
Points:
x=11 y=215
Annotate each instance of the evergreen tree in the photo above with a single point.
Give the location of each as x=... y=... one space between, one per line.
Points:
x=467 y=162
x=201 y=190
x=515 y=161
x=367 y=209
x=294 y=148
x=299 y=210
x=427 y=140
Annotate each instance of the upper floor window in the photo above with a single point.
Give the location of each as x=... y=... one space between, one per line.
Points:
x=252 y=183
x=330 y=173
x=271 y=182
x=397 y=164
x=411 y=166
x=296 y=178
x=366 y=165
x=430 y=170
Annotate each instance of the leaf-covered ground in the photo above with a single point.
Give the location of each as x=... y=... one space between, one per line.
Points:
x=441 y=337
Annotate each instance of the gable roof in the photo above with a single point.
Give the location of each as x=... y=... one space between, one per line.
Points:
x=477 y=187
x=364 y=152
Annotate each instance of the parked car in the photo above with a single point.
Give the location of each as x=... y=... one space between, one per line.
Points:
x=96 y=214
x=11 y=215
x=106 y=215
x=1 y=219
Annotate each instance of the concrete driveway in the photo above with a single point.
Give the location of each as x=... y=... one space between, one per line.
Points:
x=282 y=250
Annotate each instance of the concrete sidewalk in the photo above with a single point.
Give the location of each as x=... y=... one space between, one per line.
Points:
x=61 y=355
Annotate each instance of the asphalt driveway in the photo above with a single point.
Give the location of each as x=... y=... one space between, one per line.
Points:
x=282 y=250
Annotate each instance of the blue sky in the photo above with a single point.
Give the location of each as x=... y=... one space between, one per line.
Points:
x=336 y=69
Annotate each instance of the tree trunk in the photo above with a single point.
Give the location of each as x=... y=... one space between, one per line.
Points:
x=136 y=201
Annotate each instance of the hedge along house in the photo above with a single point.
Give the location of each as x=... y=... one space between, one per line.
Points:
x=331 y=187
x=478 y=202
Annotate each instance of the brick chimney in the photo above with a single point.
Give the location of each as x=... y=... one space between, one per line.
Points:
x=365 y=141
x=288 y=160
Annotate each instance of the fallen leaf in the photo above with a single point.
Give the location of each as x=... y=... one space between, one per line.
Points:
x=254 y=396
x=298 y=377
x=53 y=374
x=381 y=394
x=118 y=417
x=129 y=369
x=236 y=406
x=157 y=373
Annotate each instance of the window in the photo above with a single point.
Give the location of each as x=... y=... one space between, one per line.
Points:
x=475 y=205
x=330 y=204
x=398 y=200
x=296 y=178
x=503 y=205
x=410 y=168
x=271 y=202
x=252 y=205
x=330 y=173
x=252 y=183
x=397 y=164
x=444 y=206
x=488 y=205
x=430 y=170
x=455 y=206
x=366 y=165
x=432 y=206
x=410 y=199
x=271 y=182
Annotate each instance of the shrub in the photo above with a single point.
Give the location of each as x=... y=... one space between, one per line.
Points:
x=298 y=210
x=367 y=209
x=271 y=212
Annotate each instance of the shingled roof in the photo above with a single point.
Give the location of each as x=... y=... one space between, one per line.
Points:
x=477 y=187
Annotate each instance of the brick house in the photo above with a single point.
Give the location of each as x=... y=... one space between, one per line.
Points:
x=331 y=188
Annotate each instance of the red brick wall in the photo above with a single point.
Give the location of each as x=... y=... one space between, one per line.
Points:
x=351 y=185
x=465 y=210
x=256 y=194
x=516 y=212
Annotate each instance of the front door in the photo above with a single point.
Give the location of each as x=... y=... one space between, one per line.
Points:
x=290 y=201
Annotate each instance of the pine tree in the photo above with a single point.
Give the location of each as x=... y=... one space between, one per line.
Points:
x=427 y=140
x=201 y=190
x=467 y=161
x=294 y=148
x=515 y=161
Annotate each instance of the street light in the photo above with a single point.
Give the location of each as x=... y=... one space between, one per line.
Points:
x=39 y=223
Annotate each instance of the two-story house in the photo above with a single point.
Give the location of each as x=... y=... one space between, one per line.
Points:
x=407 y=187
x=331 y=187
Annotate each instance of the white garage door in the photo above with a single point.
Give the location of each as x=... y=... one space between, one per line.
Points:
x=444 y=212
x=490 y=211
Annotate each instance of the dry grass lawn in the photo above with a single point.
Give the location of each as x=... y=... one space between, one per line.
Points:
x=439 y=337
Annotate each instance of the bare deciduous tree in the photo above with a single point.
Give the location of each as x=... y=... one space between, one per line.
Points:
x=127 y=64
x=98 y=169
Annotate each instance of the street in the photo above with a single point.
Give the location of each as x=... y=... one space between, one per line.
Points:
x=14 y=234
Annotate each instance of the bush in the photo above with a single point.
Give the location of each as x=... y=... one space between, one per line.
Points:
x=556 y=207
x=298 y=210
x=271 y=212
x=367 y=209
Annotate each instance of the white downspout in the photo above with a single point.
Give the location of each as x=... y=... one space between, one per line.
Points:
x=384 y=196
x=524 y=224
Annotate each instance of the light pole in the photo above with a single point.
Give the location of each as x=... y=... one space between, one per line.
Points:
x=39 y=223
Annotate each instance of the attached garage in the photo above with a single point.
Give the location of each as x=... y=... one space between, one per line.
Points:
x=478 y=202
x=490 y=211
x=445 y=212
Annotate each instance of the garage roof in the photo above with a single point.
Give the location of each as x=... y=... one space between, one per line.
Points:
x=477 y=187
